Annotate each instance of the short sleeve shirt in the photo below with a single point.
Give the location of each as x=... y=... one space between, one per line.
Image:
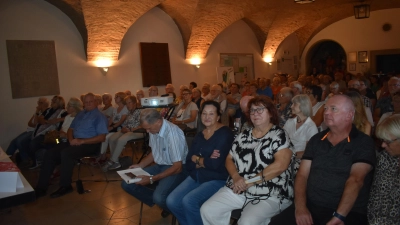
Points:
x=169 y=145
x=331 y=166
x=251 y=155
x=88 y=124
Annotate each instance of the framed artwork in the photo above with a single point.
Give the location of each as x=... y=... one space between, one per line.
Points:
x=363 y=57
x=352 y=57
x=352 y=67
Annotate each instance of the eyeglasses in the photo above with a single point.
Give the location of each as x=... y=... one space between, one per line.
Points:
x=388 y=142
x=308 y=92
x=258 y=110
x=184 y=94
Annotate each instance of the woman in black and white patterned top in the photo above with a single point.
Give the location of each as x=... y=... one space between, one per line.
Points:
x=262 y=153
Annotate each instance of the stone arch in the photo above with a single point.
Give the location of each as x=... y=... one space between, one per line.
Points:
x=319 y=51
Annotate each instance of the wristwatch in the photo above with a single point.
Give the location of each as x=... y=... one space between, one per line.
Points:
x=340 y=217
x=151 y=179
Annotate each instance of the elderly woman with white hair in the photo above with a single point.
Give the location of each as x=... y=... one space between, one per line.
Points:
x=300 y=128
x=384 y=199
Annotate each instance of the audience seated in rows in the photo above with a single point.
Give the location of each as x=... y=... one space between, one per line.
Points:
x=50 y=120
x=85 y=135
x=118 y=140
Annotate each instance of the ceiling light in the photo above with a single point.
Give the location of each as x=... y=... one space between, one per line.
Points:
x=304 y=1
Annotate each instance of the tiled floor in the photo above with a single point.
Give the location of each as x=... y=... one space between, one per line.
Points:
x=105 y=204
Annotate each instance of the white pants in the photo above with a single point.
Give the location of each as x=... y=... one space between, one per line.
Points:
x=104 y=145
x=217 y=210
x=118 y=141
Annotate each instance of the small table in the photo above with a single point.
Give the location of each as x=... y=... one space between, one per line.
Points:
x=21 y=196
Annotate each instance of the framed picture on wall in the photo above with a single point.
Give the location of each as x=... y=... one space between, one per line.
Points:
x=363 y=57
x=352 y=67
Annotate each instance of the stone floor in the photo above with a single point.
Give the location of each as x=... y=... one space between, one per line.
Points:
x=105 y=204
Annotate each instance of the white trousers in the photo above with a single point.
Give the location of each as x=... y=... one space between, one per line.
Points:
x=118 y=141
x=217 y=210
x=104 y=145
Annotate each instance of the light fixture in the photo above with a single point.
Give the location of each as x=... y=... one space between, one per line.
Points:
x=361 y=11
x=104 y=70
x=304 y=1
x=195 y=62
x=268 y=60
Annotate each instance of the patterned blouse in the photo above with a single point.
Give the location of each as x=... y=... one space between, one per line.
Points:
x=384 y=199
x=133 y=119
x=251 y=155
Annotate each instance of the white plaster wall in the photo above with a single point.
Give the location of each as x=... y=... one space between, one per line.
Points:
x=39 y=20
x=361 y=35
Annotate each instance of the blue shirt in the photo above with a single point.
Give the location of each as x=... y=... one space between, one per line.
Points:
x=88 y=124
x=267 y=91
x=168 y=145
x=214 y=169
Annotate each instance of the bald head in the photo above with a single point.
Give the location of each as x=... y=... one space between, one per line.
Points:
x=339 y=113
x=244 y=101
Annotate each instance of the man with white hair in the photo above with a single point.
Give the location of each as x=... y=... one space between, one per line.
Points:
x=296 y=88
x=335 y=174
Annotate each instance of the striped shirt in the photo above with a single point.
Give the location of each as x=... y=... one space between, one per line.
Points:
x=169 y=145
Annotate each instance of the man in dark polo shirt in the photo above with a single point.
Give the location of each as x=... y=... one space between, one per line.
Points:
x=335 y=174
x=85 y=135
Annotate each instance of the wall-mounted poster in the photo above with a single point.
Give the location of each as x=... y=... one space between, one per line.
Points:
x=226 y=76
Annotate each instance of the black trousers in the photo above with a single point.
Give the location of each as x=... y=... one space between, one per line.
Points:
x=66 y=155
x=320 y=216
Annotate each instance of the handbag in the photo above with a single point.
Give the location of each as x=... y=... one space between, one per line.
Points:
x=51 y=137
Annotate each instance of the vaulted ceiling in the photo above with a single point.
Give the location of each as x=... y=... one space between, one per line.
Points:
x=103 y=23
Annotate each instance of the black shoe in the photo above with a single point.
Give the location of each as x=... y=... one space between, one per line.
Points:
x=165 y=213
x=61 y=191
x=40 y=192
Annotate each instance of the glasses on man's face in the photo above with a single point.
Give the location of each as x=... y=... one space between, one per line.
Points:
x=388 y=142
x=258 y=110
x=185 y=94
x=308 y=92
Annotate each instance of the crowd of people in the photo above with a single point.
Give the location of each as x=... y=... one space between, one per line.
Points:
x=312 y=150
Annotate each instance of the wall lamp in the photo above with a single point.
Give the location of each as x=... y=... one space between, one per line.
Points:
x=195 y=62
x=103 y=64
x=268 y=60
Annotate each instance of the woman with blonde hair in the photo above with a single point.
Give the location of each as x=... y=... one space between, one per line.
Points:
x=383 y=203
x=74 y=106
x=360 y=117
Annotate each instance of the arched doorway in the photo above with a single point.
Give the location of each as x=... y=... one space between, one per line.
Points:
x=327 y=57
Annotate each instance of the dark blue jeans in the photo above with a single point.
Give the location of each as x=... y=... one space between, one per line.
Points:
x=21 y=143
x=161 y=192
x=185 y=201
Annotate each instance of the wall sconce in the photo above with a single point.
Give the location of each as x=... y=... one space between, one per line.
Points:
x=195 y=62
x=103 y=64
x=268 y=60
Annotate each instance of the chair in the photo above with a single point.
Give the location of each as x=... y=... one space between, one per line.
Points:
x=92 y=160
x=145 y=146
